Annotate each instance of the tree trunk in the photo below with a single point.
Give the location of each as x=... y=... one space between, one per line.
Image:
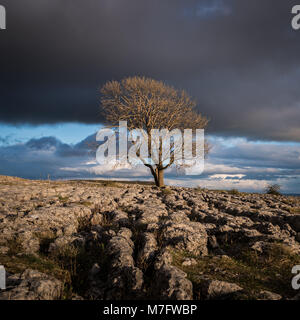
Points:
x=158 y=175
x=160 y=178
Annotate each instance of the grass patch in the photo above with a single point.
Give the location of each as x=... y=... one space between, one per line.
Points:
x=234 y=192
x=166 y=191
x=63 y=199
x=111 y=184
x=4 y=183
x=219 y=191
x=119 y=182
x=295 y=210
x=69 y=264
x=19 y=263
x=86 y=203
x=252 y=271
x=78 y=262
x=199 y=189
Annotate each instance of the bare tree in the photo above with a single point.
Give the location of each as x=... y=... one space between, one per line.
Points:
x=149 y=104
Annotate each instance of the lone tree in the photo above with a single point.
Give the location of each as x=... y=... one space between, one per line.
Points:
x=149 y=104
x=273 y=189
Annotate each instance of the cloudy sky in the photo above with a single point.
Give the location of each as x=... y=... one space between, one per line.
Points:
x=238 y=58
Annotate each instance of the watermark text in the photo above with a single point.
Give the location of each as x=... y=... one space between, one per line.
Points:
x=2 y=278
x=296 y=18
x=162 y=147
x=296 y=279
x=2 y=18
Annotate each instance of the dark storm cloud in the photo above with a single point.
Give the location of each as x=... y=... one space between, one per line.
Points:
x=239 y=58
x=52 y=144
x=43 y=157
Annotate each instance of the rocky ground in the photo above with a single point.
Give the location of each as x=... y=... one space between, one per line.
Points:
x=97 y=240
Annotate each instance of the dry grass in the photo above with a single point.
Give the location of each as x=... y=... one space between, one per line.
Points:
x=69 y=264
x=252 y=271
x=166 y=191
x=86 y=204
x=234 y=192
x=63 y=199
x=295 y=210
